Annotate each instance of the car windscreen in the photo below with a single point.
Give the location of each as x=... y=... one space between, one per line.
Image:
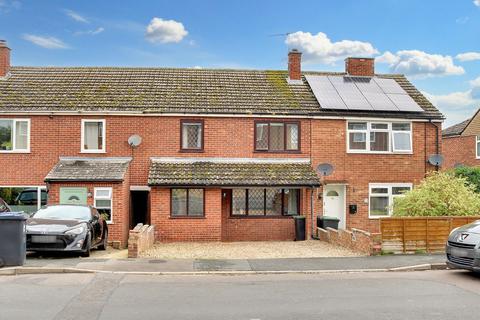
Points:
x=63 y=213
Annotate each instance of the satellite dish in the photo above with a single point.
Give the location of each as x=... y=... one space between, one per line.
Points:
x=325 y=169
x=135 y=140
x=435 y=160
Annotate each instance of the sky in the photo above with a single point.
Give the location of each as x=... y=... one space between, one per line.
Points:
x=435 y=43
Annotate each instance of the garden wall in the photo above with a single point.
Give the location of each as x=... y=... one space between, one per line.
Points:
x=418 y=234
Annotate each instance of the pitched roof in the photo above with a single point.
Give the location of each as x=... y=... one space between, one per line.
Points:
x=231 y=172
x=456 y=129
x=89 y=169
x=167 y=90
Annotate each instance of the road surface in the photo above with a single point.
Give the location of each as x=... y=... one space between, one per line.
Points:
x=399 y=295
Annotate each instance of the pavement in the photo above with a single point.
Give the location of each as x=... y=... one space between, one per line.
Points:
x=59 y=264
x=441 y=295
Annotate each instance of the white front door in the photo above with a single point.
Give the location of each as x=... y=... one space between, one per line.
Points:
x=334 y=203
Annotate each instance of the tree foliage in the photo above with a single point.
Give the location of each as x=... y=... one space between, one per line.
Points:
x=472 y=174
x=439 y=194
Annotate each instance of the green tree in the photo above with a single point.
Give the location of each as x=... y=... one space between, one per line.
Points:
x=472 y=174
x=439 y=194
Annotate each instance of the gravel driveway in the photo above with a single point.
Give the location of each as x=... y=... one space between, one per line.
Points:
x=247 y=250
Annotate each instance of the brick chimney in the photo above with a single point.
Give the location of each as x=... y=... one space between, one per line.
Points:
x=360 y=67
x=294 y=65
x=4 y=59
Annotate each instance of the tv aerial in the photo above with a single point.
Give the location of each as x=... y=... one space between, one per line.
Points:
x=134 y=140
x=435 y=160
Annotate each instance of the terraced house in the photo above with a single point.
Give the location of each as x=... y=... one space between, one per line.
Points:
x=213 y=155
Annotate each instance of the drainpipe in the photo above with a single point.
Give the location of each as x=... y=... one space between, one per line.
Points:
x=437 y=142
x=311 y=215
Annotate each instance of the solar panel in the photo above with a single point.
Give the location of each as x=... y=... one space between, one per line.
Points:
x=325 y=92
x=350 y=94
x=404 y=102
x=361 y=93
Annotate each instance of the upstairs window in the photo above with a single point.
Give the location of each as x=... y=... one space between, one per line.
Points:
x=14 y=135
x=192 y=135
x=379 y=137
x=93 y=136
x=277 y=136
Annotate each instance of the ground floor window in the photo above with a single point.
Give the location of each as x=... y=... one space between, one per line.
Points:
x=382 y=197
x=187 y=202
x=103 y=203
x=265 y=202
x=24 y=198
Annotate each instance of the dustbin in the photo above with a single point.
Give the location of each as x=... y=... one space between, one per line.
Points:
x=327 y=222
x=299 y=228
x=12 y=239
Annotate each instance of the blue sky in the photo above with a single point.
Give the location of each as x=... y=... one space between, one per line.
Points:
x=435 y=43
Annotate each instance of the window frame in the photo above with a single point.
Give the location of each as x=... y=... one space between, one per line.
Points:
x=285 y=123
x=104 y=136
x=186 y=215
x=192 y=121
x=265 y=215
x=39 y=192
x=110 y=197
x=389 y=194
x=369 y=130
x=477 y=141
x=14 y=135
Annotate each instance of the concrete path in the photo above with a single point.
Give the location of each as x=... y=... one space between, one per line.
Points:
x=240 y=265
x=440 y=295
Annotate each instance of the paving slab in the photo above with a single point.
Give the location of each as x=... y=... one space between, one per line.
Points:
x=222 y=265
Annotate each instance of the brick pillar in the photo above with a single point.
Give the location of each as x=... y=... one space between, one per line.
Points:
x=295 y=65
x=360 y=66
x=4 y=59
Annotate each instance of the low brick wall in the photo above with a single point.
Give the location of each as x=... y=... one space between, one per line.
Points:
x=141 y=238
x=355 y=240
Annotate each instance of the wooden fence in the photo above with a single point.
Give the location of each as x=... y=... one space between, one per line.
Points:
x=418 y=234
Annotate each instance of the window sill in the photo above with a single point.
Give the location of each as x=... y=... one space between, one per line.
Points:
x=109 y=222
x=378 y=217
x=191 y=150
x=187 y=217
x=260 y=217
x=93 y=151
x=380 y=152
x=275 y=152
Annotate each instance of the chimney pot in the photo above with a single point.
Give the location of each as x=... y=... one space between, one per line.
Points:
x=4 y=59
x=360 y=67
x=294 y=66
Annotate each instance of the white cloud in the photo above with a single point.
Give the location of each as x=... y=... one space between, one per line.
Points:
x=76 y=16
x=8 y=5
x=468 y=56
x=420 y=64
x=90 y=32
x=476 y=2
x=319 y=48
x=165 y=31
x=45 y=42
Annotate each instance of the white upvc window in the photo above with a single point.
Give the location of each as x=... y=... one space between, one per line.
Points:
x=103 y=202
x=382 y=196
x=14 y=135
x=93 y=136
x=379 y=137
x=477 y=149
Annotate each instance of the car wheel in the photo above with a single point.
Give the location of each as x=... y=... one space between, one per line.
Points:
x=104 y=244
x=88 y=246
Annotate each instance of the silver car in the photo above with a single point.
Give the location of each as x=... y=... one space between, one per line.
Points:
x=463 y=247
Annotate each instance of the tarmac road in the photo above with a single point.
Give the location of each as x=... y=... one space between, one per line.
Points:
x=372 y=295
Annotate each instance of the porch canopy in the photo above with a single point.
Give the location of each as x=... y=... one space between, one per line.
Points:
x=89 y=169
x=232 y=172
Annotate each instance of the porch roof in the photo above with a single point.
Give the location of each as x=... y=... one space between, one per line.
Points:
x=232 y=172
x=88 y=169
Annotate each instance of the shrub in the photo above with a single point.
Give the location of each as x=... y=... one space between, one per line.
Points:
x=472 y=174
x=439 y=194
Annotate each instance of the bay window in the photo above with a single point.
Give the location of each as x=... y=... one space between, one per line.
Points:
x=277 y=136
x=265 y=202
x=93 y=136
x=382 y=198
x=14 y=135
x=379 y=137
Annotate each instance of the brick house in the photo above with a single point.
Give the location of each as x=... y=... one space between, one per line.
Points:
x=213 y=155
x=461 y=143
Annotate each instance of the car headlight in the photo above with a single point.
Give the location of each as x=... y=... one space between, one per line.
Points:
x=75 y=231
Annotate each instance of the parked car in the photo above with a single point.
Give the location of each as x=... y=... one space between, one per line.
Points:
x=69 y=228
x=4 y=206
x=463 y=247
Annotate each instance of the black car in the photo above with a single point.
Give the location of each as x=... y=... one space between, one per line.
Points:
x=69 y=228
x=4 y=206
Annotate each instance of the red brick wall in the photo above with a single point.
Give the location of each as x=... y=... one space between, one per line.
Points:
x=460 y=149
x=360 y=66
x=294 y=65
x=4 y=60
x=118 y=229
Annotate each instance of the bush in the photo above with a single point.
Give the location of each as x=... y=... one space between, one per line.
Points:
x=439 y=194
x=472 y=174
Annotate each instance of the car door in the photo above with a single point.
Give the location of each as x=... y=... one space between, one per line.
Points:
x=97 y=227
